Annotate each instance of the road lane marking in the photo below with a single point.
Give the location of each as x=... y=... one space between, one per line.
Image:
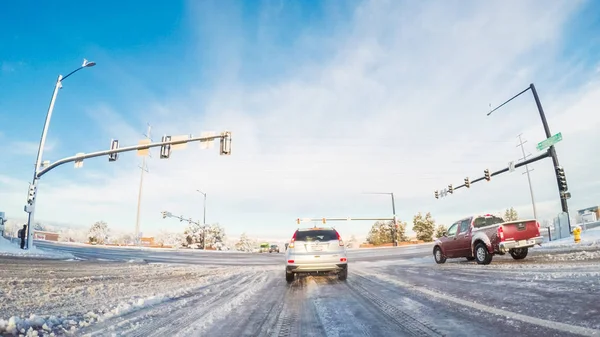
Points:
x=564 y=327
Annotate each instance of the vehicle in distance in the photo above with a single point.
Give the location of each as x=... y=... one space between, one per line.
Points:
x=264 y=247
x=316 y=251
x=480 y=237
x=274 y=249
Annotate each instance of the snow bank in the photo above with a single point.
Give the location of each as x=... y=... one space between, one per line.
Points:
x=589 y=238
x=8 y=248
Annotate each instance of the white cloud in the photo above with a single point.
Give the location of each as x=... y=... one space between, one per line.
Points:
x=399 y=106
x=28 y=148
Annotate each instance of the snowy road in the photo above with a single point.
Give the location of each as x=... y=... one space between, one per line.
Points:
x=189 y=256
x=546 y=295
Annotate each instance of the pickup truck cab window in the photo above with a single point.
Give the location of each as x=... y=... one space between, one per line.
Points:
x=484 y=221
x=452 y=230
x=464 y=225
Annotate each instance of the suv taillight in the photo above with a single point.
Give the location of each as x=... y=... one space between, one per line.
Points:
x=341 y=242
x=291 y=245
x=501 y=233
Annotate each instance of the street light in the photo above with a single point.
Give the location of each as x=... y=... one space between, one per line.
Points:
x=30 y=208
x=395 y=230
x=203 y=221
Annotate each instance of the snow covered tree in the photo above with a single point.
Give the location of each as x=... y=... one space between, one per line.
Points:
x=216 y=237
x=424 y=226
x=165 y=238
x=193 y=236
x=245 y=244
x=352 y=243
x=98 y=232
x=511 y=214
x=381 y=232
x=440 y=230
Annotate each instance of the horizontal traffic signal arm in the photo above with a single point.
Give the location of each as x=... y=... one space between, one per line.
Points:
x=57 y=163
x=506 y=169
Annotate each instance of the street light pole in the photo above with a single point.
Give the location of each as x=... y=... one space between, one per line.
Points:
x=203 y=221
x=30 y=208
x=395 y=219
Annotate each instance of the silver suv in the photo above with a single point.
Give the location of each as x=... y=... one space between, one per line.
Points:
x=315 y=251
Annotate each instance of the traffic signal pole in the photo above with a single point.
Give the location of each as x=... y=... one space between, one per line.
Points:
x=551 y=151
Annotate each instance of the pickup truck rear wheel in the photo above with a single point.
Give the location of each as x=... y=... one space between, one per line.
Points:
x=438 y=255
x=482 y=255
x=519 y=253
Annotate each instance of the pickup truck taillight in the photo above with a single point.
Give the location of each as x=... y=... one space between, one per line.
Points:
x=501 y=233
x=538 y=228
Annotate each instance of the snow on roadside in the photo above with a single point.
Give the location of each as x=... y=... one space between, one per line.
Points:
x=589 y=238
x=56 y=297
x=8 y=248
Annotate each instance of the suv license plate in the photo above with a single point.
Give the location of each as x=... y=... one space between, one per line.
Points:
x=317 y=248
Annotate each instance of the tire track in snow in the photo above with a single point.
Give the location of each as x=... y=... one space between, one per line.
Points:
x=196 y=323
x=563 y=327
x=142 y=321
x=411 y=325
x=195 y=316
x=259 y=317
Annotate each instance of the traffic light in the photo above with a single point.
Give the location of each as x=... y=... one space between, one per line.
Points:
x=437 y=194
x=467 y=182
x=226 y=143
x=486 y=174
x=298 y=221
x=114 y=144
x=165 y=150
x=324 y=221
x=32 y=193
x=164 y=214
x=562 y=179
x=450 y=189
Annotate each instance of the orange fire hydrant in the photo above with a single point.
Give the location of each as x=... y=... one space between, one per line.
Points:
x=577 y=234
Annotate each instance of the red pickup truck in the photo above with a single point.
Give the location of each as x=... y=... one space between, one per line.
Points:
x=480 y=237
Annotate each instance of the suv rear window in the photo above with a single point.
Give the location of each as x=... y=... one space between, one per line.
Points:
x=487 y=221
x=317 y=234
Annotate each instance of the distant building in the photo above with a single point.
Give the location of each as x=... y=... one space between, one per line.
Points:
x=593 y=209
x=44 y=235
x=147 y=241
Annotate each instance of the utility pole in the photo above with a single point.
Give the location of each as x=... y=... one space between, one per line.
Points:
x=527 y=170
x=204 y=221
x=139 y=201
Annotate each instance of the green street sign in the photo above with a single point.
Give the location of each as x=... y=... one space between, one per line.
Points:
x=544 y=144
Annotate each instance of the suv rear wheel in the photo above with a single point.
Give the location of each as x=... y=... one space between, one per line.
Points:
x=289 y=277
x=343 y=274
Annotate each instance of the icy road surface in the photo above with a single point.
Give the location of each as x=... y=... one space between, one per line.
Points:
x=549 y=295
x=195 y=256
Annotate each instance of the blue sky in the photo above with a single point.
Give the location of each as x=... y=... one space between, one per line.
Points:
x=325 y=99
